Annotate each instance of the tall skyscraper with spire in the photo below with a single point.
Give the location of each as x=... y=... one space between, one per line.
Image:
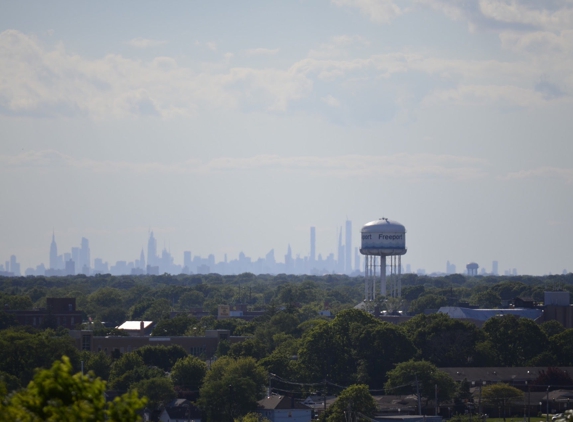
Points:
x=348 y=247
x=340 y=262
x=53 y=253
x=152 y=251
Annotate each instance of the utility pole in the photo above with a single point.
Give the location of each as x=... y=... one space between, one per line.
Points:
x=418 y=395
x=324 y=395
x=436 y=398
x=547 y=415
x=479 y=399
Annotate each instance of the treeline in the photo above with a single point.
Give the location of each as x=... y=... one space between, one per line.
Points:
x=302 y=350
x=115 y=299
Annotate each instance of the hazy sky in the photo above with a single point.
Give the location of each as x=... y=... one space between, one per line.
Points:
x=233 y=126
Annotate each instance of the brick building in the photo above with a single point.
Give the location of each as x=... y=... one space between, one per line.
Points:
x=59 y=312
x=204 y=346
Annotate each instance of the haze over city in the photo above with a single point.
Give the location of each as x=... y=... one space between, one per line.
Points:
x=234 y=127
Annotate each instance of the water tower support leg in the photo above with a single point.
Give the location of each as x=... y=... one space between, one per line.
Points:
x=399 y=275
x=383 y=275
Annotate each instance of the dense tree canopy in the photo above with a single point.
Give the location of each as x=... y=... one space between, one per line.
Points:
x=56 y=394
x=403 y=379
x=231 y=388
x=288 y=339
x=351 y=404
x=514 y=341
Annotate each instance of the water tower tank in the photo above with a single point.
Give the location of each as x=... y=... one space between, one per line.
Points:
x=383 y=237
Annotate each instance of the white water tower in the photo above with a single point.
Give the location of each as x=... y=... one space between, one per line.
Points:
x=381 y=239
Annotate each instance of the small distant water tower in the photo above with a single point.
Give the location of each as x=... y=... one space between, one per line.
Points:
x=472 y=268
x=383 y=239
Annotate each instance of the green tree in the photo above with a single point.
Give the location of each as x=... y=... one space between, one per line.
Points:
x=114 y=315
x=22 y=352
x=500 y=395
x=56 y=394
x=191 y=299
x=7 y=320
x=378 y=349
x=551 y=328
x=355 y=400
x=127 y=362
x=15 y=302
x=250 y=347
x=514 y=341
x=427 y=301
x=323 y=355
x=562 y=347
x=163 y=357
x=158 y=310
x=402 y=380
x=130 y=369
x=189 y=373
x=177 y=326
x=158 y=391
x=487 y=299
x=444 y=341
x=252 y=417
x=231 y=388
x=99 y=363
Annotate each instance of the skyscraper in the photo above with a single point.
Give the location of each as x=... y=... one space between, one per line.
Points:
x=142 y=260
x=494 y=268
x=340 y=262
x=151 y=251
x=85 y=260
x=76 y=258
x=53 y=253
x=357 y=259
x=14 y=266
x=312 y=244
x=288 y=261
x=348 y=247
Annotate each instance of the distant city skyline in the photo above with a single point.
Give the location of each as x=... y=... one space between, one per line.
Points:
x=347 y=261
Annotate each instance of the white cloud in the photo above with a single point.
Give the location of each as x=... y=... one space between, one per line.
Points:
x=565 y=174
x=261 y=51
x=211 y=45
x=498 y=95
x=331 y=101
x=499 y=15
x=37 y=81
x=538 y=42
x=379 y=11
x=521 y=12
x=411 y=166
x=144 y=42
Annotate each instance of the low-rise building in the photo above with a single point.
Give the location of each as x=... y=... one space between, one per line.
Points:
x=278 y=408
x=201 y=346
x=59 y=312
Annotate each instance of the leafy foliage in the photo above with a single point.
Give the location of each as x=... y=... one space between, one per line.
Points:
x=57 y=395
x=353 y=400
x=402 y=380
x=231 y=388
x=189 y=373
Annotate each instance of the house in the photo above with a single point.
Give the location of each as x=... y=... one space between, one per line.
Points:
x=137 y=328
x=278 y=408
x=180 y=410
